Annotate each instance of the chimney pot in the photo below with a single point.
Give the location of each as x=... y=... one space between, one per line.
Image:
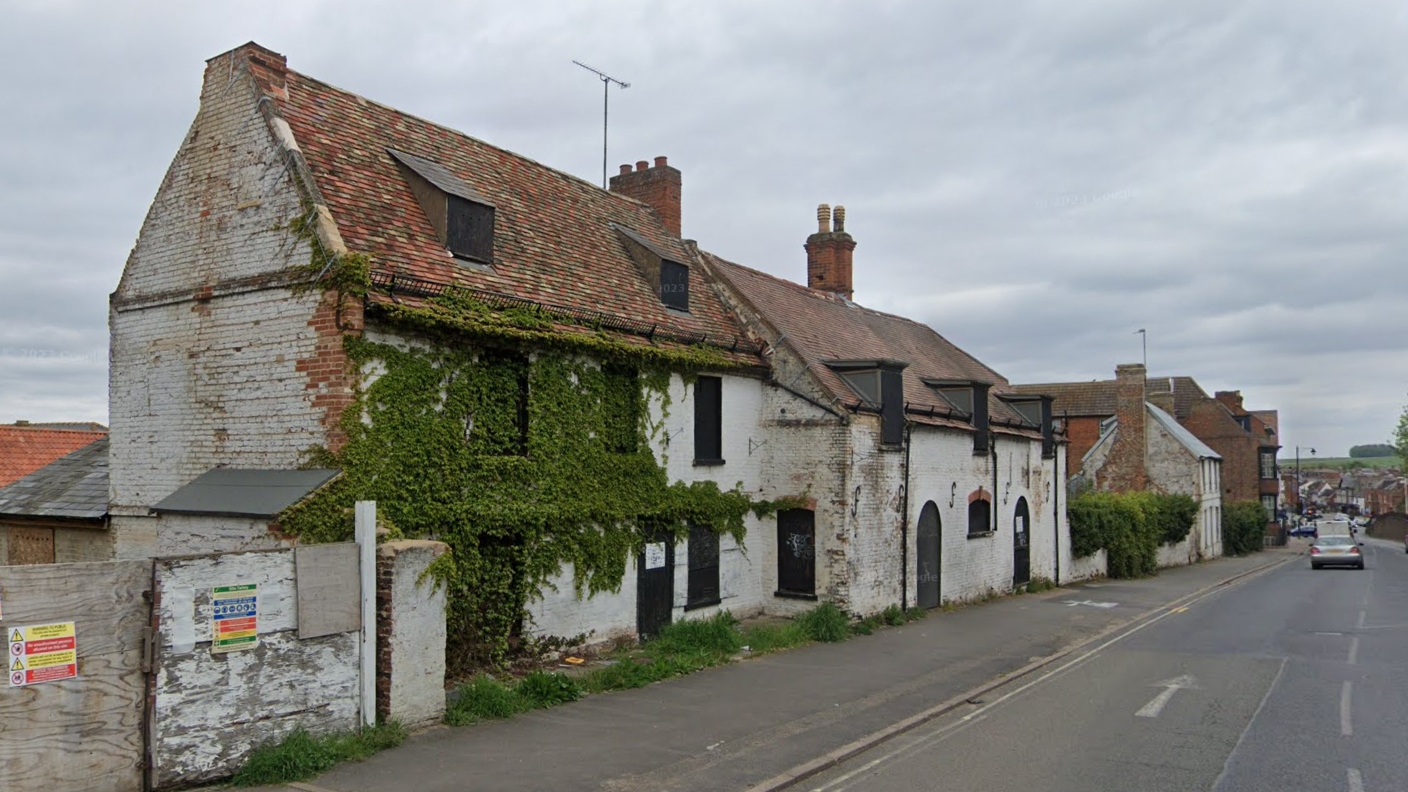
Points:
x=659 y=188
x=823 y=219
x=829 y=255
x=642 y=165
x=840 y=215
x=625 y=169
x=660 y=162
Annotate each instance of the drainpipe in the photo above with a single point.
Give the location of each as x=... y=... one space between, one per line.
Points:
x=992 y=443
x=904 y=522
x=1056 y=486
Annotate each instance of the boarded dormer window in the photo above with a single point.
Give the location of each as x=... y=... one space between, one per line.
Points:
x=866 y=384
x=880 y=385
x=463 y=220
x=674 y=285
x=469 y=229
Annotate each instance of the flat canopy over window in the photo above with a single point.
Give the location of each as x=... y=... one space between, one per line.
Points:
x=244 y=493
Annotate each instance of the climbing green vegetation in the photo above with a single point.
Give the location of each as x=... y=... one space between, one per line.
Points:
x=522 y=464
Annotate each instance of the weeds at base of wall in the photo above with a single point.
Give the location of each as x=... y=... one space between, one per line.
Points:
x=1035 y=586
x=301 y=756
x=681 y=648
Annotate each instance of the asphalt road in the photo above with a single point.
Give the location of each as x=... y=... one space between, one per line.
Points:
x=1290 y=680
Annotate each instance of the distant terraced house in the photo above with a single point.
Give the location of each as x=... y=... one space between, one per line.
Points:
x=611 y=427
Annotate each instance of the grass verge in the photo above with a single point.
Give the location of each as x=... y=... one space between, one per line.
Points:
x=301 y=756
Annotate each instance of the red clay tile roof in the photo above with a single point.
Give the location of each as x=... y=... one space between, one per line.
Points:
x=553 y=235
x=1097 y=398
x=25 y=449
x=822 y=327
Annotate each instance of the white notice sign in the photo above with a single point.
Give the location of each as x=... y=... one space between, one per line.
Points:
x=655 y=555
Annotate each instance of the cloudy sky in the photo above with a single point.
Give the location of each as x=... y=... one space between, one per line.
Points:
x=1036 y=180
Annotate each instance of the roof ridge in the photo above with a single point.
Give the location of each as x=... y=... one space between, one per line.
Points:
x=462 y=134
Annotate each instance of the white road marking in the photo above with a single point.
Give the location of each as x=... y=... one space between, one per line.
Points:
x=1361 y=618
x=1346 y=727
x=980 y=714
x=1354 y=650
x=1170 y=686
x=1088 y=603
x=1356 y=781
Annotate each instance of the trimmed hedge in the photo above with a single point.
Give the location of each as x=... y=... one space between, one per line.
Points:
x=1129 y=526
x=1243 y=526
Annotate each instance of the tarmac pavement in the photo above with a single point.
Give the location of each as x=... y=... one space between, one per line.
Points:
x=766 y=722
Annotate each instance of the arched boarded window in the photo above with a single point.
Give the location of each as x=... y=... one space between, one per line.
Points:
x=979 y=517
x=927 y=555
x=1021 y=544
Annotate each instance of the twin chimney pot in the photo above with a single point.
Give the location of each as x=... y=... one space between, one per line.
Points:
x=829 y=250
x=829 y=253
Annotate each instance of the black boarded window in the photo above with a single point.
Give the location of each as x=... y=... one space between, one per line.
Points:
x=891 y=407
x=469 y=229
x=979 y=518
x=497 y=419
x=708 y=421
x=703 y=567
x=674 y=285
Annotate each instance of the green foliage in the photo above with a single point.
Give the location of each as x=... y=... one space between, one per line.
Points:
x=1118 y=523
x=826 y=623
x=767 y=638
x=894 y=616
x=1036 y=585
x=715 y=639
x=1372 y=450
x=1243 y=526
x=540 y=690
x=437 y=439
x=301 y=756
x=486 y=698
x=1171 y=516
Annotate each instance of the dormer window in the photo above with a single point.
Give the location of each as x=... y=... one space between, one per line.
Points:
x=969 y=397
x=662 y=269
x=463 y=219
x=469 y=230
x=674 y=285
x=880 y=386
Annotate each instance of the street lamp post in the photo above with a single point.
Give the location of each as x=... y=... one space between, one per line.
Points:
x=1300 y=502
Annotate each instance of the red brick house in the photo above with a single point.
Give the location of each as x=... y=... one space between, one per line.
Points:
x=1245 y=440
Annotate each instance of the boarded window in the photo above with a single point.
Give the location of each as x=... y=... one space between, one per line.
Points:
x=497 y=396
x=891 y=406
x=866 y=384
x=796 y=553
x=979 y=517
x=674 y=285
x=30 y=545
x=621 y=409
x=708 y=420
x=469 y=229
x=703 y=567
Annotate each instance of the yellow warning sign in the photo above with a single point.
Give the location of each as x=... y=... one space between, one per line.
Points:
x=18 y=666
x=52 y=659
x=39 y=632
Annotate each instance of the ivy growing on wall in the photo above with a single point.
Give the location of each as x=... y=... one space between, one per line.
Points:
x=492 y=432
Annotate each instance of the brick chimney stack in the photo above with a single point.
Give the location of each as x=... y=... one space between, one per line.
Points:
x=1232 y=400
x=1126 y=469
x=829 y=254
x=658 y=187
x=269 y=68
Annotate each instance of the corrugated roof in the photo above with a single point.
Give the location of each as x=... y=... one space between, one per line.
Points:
x=29 y=447
x=245 y=493
x=73 y=487
x=823 y=327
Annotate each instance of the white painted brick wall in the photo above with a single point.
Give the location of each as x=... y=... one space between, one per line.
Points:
x=194 y=385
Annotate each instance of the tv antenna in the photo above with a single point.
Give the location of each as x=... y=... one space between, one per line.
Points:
x=606 y=81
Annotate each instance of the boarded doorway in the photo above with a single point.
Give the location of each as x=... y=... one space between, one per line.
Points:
x=796 y=553
x=1021 y=544
x=655 y=585
x=927 y=551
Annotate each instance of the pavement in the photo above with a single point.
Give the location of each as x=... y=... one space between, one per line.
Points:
x=766 y=723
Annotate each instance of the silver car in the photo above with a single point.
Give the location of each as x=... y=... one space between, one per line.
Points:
x=1336 y=551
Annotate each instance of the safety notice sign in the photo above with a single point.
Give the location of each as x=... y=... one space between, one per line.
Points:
x=234 y=618
x=42 y=653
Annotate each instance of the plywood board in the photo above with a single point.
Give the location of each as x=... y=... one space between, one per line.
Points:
x=31 y=545
x=329 y=589
x=82 y=734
